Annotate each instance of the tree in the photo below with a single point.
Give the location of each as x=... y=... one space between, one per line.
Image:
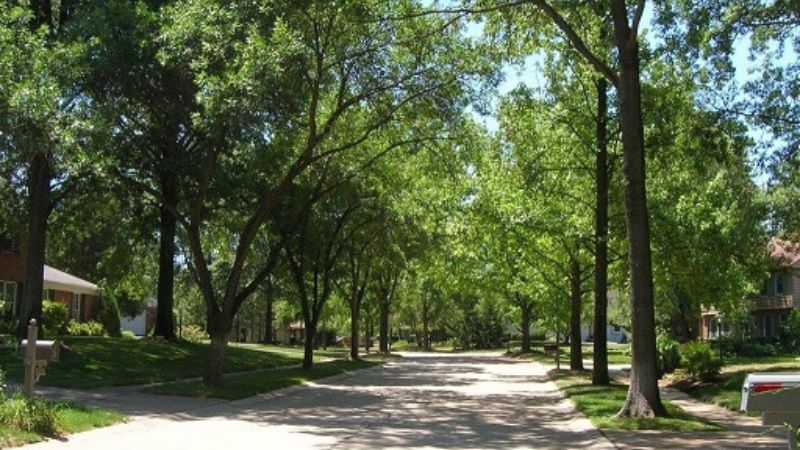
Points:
x=39 y=126
x=643 y=398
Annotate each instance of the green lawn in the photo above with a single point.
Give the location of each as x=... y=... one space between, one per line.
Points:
x=71 y=419
x=93 y=362
x=601 y=403
x=727 y=391
x=247 y=385
x=617 y=353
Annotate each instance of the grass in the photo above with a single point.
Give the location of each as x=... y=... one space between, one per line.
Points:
x=601 y=403
x=94 y=361
x=247 y=385
x=71 y=418
x=727 y=391
x=617 y=353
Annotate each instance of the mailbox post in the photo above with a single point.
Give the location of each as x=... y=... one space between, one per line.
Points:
x=777 y=397
x=36 y=355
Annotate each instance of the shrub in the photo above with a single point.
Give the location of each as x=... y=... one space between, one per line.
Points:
x=700 y=362
x=754 y=349
x=90 y=328
x=127 y=334
x=193 y=333
x=55 y=317
x=108 y=316
x=29 y=415
x=669 y=356
x=789 y=332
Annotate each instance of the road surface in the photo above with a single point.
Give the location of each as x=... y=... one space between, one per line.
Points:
x=426 y=401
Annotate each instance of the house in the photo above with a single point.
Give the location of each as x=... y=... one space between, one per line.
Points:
x=80 y=296
x=779 y=295
x=293 y=333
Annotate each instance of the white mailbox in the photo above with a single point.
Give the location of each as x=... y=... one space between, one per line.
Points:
x=777 y=397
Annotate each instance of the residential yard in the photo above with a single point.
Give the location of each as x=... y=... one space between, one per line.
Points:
x=727 y=391
x=70 y=418
x=89 y=362
x=249 y=384
x=601 y=403
x=617 y=353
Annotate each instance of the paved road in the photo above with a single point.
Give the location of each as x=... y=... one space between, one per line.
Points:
x=428 y=401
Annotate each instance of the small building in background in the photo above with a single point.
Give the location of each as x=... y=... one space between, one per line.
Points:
x=80 y=296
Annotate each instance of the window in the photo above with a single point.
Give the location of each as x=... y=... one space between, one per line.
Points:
x=771 y=324
x=780 y=283
x=8 y=298
x=76 y=307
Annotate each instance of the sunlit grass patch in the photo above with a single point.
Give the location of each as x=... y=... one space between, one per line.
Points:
x=601 y=404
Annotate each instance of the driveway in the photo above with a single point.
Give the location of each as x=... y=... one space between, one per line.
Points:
x=429 y=401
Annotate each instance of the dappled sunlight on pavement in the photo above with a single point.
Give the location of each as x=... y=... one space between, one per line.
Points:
x=419 y=401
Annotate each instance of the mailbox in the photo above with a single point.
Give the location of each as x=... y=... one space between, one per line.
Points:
x=45 y=350
x=777 y=397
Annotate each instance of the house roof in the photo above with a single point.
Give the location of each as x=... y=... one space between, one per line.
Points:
x=62 y=281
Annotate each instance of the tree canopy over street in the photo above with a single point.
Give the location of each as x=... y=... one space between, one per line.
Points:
x=360 y=168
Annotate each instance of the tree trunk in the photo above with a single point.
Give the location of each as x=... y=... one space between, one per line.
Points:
x=600 y=344
x=526 y=327
x=426 y=335
x=576 y=351
x=269 y=317
x=384 y=325
x=216 y=358
x=308 y=344
x=355 y=314
x=165 y=323
x=643 y=398
x=40 y=175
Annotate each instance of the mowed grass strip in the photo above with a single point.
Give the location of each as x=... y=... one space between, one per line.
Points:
x=727 y=391
x=71 y=418
x=601 y=404
x=94 y=362
x=239 y=386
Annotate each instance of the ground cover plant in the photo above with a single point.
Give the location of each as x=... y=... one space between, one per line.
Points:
x=22 y=422
x=254 y=383
x=601 y=403
x=89 y=362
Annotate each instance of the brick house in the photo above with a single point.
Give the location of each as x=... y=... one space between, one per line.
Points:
x=778 y=296
x=80 y=296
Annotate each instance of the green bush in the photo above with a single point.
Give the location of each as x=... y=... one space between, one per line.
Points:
x=127 y=334
x=108 y=316
x=193 y=333
x=90 y=328
x=700 y=362
x=55 y=316
x=754 y=349
x=29 y=415
x=789 y=332
x=669 y=356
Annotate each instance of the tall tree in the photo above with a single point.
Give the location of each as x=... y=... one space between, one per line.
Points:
x=39 y=125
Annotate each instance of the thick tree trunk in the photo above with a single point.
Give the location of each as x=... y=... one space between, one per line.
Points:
x=384 y=326
x=40 y=175
x=643 y=398
x=165 y=322
x=308 y=344
x=576 y=351
x=355 y=314
x=526 y=327
x=600 y=366
x=216 y=358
